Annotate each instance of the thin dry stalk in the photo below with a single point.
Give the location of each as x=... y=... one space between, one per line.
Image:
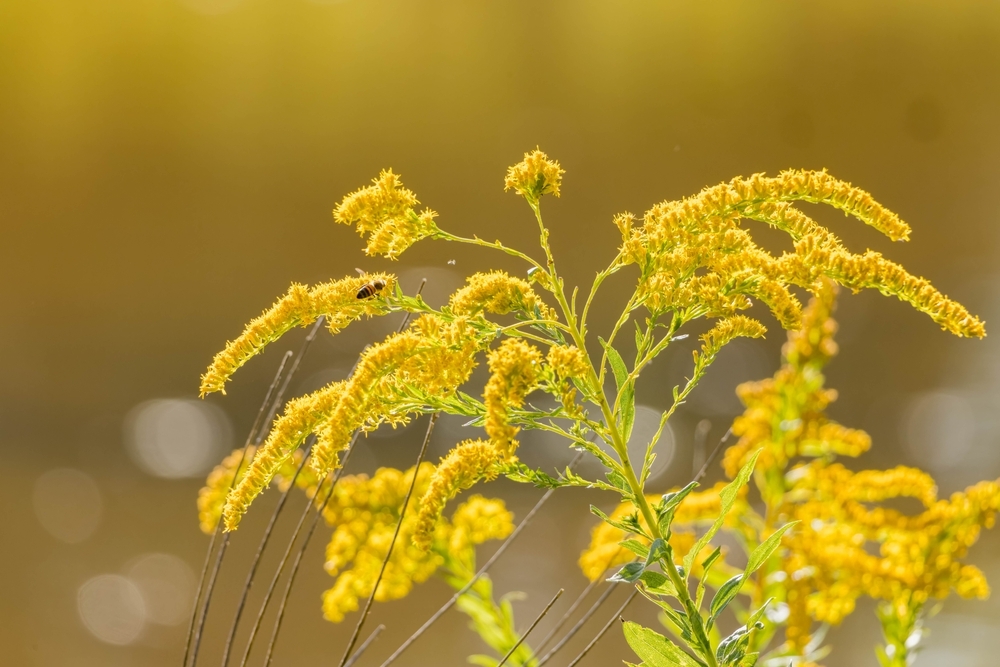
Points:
x=295 y=565
x=579 y=624
x=395 y=536
x=211 y=545
x=462 y=591
x=305 y=544
x=714 y=454
x=256 y=559
x=530 y=628
x=593 y=642
x=569 y=612
x=573 y=607
x=361 y=649
x=701 y=432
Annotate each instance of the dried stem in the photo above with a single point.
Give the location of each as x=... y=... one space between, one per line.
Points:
x=305 y=544
x=531 y=627
x=569 y=612
x=191 y=636
x=395 y=536
x=593 y=642
x=462 y=591
x=364 y=645
x=576 y=603
x=713 y=455
x=295 y=566
x=579 y=624
x=256 y=559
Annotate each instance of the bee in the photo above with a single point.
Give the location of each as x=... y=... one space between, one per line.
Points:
x=371 y=288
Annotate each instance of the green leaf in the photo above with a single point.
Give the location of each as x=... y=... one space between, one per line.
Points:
x=655 y=649
x=724 y=596
x=618 y=481
x=629 y=573
x=764 y=551
x=710 y=561
x=626 y=405
x=626 y=389
x=636 y=547
x=665 y=508
x=617 y=364
x=732 y=649
x=728 y=497
x=654 y=580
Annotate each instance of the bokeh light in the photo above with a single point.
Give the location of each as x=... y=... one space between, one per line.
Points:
x=111 y=607
x=175 y=438
x=167 y=586
x=68 y=504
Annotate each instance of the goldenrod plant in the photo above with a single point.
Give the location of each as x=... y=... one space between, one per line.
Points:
x=692 y=260
x=845 y=543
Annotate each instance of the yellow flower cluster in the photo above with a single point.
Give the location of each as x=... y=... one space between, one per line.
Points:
x=515 y=369
x=534 y=176
x=385 y=211
x=785 y=414
x=697 y=260
x=723 y=333
x=337 y=301
x=846 y=543
x=919 y=557
x=365 y=512
x=498 y=293
x=433 y=354
x=465 y=465
x=212 y=496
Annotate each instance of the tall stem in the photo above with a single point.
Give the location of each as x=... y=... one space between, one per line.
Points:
x=621 y=447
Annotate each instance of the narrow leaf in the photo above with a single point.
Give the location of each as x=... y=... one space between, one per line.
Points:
x=636 y=547
x=728 y=497
x=655 y=649
x=725 y=595
x=629 y=573
x=617 y=364
x=767 y=547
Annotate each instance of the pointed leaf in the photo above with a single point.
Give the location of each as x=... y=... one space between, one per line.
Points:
x=655 y=649
x=636 y=547
x=728 y=497
x=725 y=595
x=617 y=364
x=629 y=573
x=766 y=548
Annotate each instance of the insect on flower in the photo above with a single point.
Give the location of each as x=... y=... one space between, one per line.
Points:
x=370 y=289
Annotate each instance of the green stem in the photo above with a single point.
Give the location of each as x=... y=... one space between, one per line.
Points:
x=621 y=447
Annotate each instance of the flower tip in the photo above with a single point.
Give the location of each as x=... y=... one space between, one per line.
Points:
x=535 y=176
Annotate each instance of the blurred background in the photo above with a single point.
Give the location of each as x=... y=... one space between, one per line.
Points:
x=168 y=167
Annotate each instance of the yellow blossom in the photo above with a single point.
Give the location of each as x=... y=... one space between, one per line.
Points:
x=724 y=332
x=337 y=301
x=498 y=293
x=465 y=465
x=385 y=211
x=365 y=512
x=534 y=176
x=567 y=361
x=302 y=416
x=515 y=369
x=212 y=496
x=696 y=260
